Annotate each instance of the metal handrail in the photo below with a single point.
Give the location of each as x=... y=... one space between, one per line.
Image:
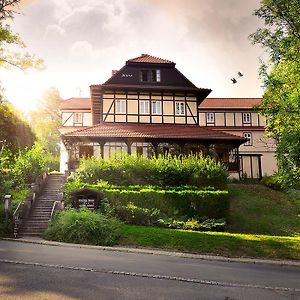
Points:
x=53 y=209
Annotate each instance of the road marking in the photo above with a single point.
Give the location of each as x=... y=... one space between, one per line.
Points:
x=154 y=276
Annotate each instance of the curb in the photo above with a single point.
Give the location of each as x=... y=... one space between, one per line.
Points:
x=289 y=263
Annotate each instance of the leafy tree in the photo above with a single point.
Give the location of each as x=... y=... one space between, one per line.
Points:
x=15 y=133
x=8 y=58
x=281 y=77
x=45 y=120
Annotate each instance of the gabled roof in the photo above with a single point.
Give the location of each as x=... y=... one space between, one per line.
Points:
x=153 y=131
x=149 y=59
x=76 y=103
x=230 y=103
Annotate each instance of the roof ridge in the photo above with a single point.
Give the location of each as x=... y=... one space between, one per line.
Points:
x=155 y=59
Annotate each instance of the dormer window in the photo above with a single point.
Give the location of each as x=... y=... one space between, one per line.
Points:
x=150 y=76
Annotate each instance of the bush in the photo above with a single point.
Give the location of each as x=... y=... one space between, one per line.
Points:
x=29 y=164
x=195 y=170
x=132 y=214
x=83 y=227
x=194 y=224
x=173 y=202
x=272 y=182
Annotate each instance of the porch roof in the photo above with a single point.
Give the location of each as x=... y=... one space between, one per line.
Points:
x=165 y=132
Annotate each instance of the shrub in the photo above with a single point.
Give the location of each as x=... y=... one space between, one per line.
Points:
x=172 y=202
x=194 y=224
x=132 y=214
x=29 y=164
x=211 y=204
x=163 y=171
x=272 y=182
x=83 y=227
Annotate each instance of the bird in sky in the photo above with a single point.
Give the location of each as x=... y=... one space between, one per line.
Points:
x=233 y=80
x=240 y=74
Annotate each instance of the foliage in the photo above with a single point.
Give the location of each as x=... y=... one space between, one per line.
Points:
x=281 y=105
x=15 y=133
x=10 y=40
x=171 y=202
x=194 y=224
x=52 y=162
x=46 y=120
x=272 y=182
x=29 y=164
x=132 y=214
x=213 y=243
x=195 y=170
x=84 y=227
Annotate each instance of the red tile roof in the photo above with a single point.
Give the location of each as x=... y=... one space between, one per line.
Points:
x=233 y=103
x=146 y=58
x=153 y=131
x=76 y=103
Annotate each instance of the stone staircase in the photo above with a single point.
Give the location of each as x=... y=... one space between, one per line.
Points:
x=37 y=222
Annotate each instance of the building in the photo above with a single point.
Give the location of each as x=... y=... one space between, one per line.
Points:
x=240 y=116
x=147 y=107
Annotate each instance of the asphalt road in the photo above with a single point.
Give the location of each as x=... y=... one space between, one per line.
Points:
x=33 y=271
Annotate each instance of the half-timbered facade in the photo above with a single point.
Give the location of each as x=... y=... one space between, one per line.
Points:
x=240 y=116
x=147 y=107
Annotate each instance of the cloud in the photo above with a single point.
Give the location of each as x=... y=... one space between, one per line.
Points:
x=207 y=39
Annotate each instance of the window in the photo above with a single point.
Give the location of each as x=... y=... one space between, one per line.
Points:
x=246 y=118
x=179 y=108
x=144 y=76
x=120 y=106
x=144 y=107
x=248 y=136
x=150 y=76
x=77 y=117
x=210 y=117
x=156 y=107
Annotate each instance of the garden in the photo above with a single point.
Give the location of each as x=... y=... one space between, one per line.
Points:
x=180 y=204
x=184 y=192
x=18 y=169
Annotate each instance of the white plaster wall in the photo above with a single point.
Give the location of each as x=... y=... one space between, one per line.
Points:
x=64 y=158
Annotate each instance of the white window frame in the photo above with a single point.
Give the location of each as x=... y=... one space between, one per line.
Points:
x=158 y=75
x=246 y=118
x=210 y=118
x=144 y=107
x=120 y=106
x=179 y=108
x=78 y=117
x=156 y=107
x=248 y=135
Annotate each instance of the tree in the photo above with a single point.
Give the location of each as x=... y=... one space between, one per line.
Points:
x=45 y=120
x=8 y=58
x=281 y=78
x=15 y=133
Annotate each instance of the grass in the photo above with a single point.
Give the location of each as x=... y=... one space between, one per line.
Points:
x=217 y=243
x=256 y=209
x=262 y=223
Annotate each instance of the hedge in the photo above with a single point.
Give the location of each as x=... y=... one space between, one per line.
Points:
x=195 y=170
x=202 y=203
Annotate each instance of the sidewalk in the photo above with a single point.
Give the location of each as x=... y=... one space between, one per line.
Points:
x=41 y=241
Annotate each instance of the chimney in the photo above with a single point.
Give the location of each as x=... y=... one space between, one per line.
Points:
x=114 y=72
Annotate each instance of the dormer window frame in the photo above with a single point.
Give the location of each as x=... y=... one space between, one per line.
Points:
x=152 y=75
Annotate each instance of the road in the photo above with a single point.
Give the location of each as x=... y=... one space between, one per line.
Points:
x=34 y=271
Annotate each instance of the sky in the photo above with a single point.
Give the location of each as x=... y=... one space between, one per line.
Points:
x=81 y=41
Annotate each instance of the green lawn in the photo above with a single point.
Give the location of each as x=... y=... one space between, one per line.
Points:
x=262 y=223
x=260 y=210
x=213 y=243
